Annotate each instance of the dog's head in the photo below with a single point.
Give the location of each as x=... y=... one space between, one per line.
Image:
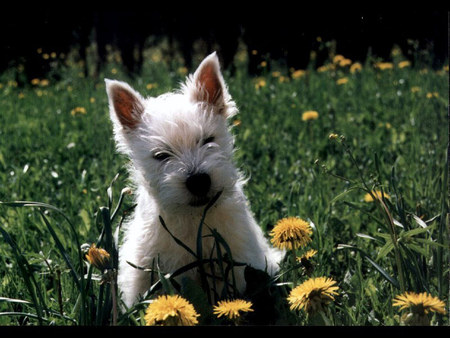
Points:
x=179 y=143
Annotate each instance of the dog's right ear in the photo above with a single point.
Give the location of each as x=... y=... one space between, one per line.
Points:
x=125 y=104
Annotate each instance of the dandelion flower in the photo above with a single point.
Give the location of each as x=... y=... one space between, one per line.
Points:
x=232 y=308
x=404 y=64
x=260 y=82
x=342 y=81
x=236 y=123
x=291 y=233
x=44 y=83
x=333 y=136
x=431 y=95
x=276 y=74
x=415 y=89
x=378 y=195
x=182 y=70
x=419 y=304
x=310 y=115
x=345 y=62
x=35 y=82
x=356 y=67
x=307 y=255
x=78 y=110
x=325 y=68
x=338 y=58
x=99 y=258
x=384 y=65
x=169 y=310
x=298 y=74
x=313 y=295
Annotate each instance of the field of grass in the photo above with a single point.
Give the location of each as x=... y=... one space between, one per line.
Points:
x=389 y=131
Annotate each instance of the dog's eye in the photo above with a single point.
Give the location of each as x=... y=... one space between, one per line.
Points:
x=208 y=140
x=161 y=156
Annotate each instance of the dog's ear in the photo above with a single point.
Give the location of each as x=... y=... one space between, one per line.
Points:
x=125 y=104
x=208 y=84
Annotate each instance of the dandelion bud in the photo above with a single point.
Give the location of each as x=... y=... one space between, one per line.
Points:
x=99 y=258
x=333 y=136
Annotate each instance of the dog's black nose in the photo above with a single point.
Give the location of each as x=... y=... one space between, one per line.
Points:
x=198 y=184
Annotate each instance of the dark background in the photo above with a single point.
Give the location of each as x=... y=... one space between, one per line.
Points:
x=285 y=32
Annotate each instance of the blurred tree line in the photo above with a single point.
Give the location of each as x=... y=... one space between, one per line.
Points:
x=288 y=33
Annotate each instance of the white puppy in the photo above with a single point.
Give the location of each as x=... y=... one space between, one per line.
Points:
x=181 y=156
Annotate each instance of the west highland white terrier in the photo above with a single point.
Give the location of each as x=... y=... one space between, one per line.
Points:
x=181 y=151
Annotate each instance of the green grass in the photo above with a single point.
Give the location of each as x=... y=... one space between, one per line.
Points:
x=392 y=135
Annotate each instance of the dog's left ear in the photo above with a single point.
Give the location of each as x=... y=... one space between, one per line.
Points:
x=208 y=84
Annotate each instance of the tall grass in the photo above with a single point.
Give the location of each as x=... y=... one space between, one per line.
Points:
x=389 y=134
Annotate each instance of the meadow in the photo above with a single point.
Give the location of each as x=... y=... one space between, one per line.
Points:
x=314 y=144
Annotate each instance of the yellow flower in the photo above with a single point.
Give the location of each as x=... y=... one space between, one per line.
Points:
x=356 y=67
x=151 y=85
x=415 y=89
x=114 y=71
x=92 y=100
x=313 y=295
x=182 y=70
x=342 y=81
x=307 y=255
x=419 y=302
x=44 y=82
x=169 y=310
x=419 y=305
x=21 y=95
x=431 y=95
x=236 y=123
x=310 y=115
x=384 y=65
x=35 y=82
x=260 y=82
x=283 y=79
x=78 y=110
x=445 y=68
x=99 y=258
x=263 y=64
x=324 y=68
x=291 y=233
x=338 y=58
x=232 y=308
x=378 y=195
x=403 y=64
x=345 y=62
x=298 y=74
x=276 y=74
x=333 y=136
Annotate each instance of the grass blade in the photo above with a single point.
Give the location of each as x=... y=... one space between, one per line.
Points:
x=62 y=251
x=27 y=275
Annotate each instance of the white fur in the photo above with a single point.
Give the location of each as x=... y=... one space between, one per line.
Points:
x=179 y=123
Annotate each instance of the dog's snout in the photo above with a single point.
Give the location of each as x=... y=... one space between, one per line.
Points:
x=199 y=184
